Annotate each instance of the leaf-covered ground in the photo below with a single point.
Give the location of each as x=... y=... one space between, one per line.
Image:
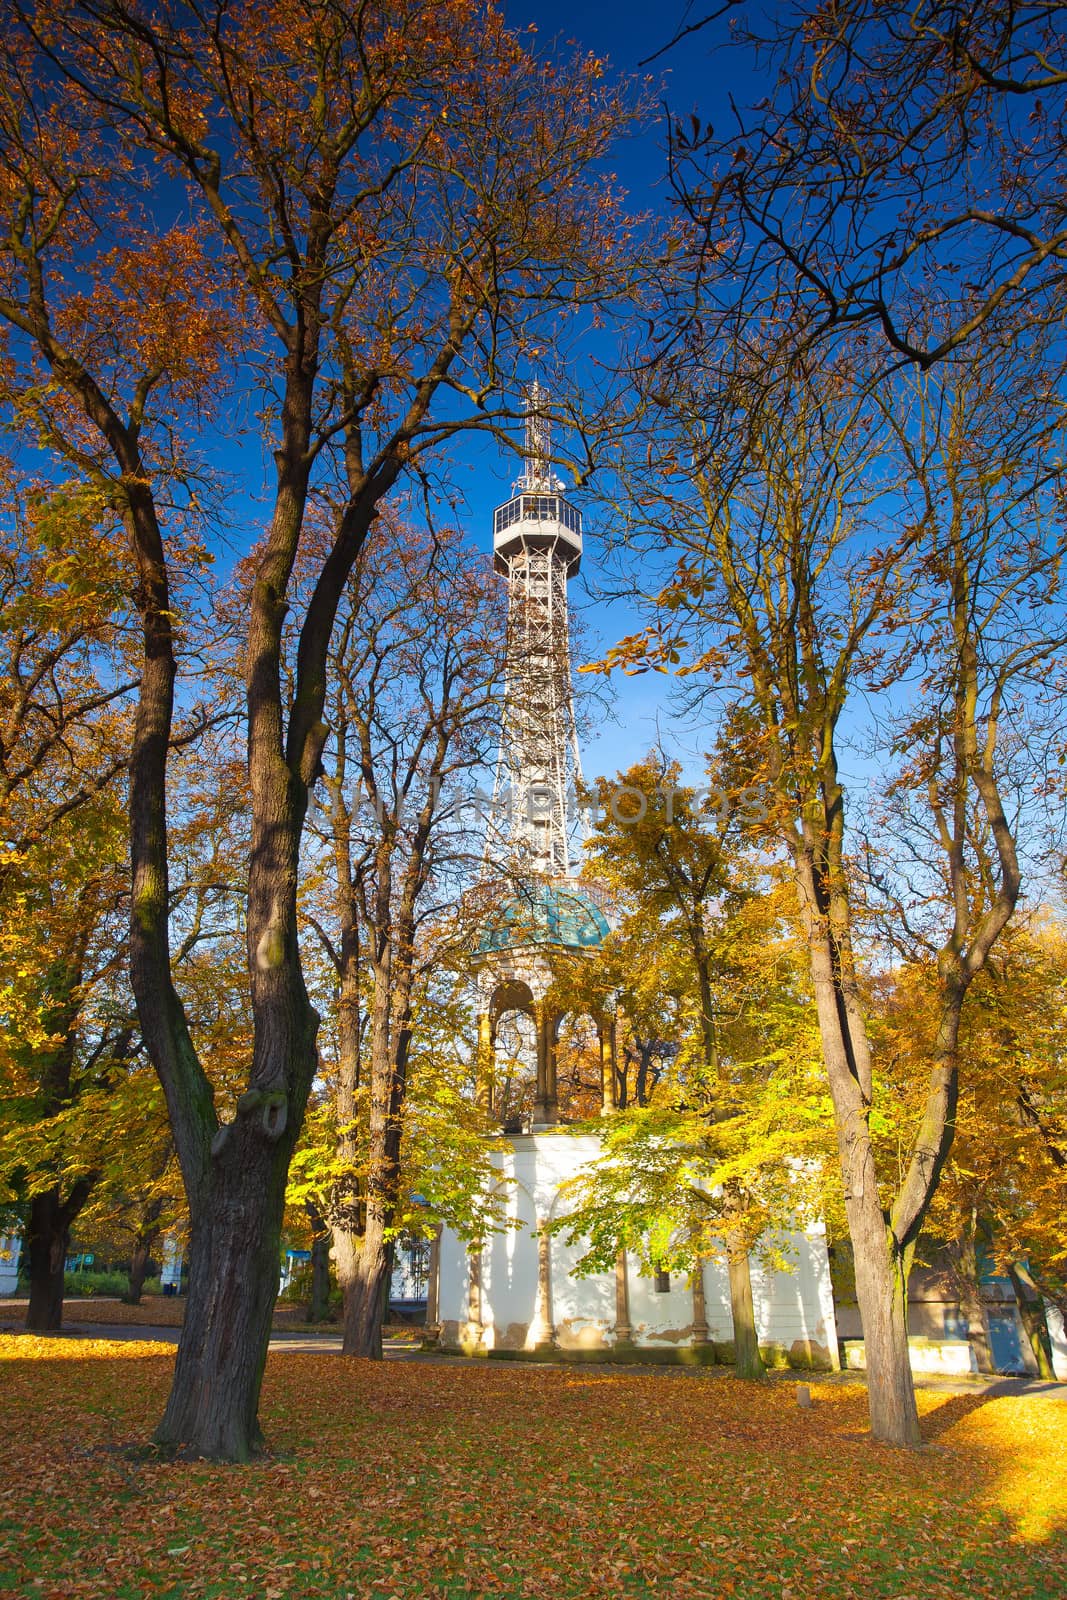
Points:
x=418 y=1479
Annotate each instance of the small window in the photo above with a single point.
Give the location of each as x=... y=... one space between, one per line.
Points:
x=663 y=1282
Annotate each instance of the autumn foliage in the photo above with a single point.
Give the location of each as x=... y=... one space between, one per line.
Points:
x=448 y=1479
x=344 y=230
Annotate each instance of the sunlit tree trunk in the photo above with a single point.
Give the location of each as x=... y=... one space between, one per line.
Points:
x=748 y=1363
x=1032 y=1313
x=368 y=1296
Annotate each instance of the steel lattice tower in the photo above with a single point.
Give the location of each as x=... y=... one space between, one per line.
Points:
x=537 y=545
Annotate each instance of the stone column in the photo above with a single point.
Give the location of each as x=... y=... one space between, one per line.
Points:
x=700 y=1313
x=545 y=1101
x=608 y=1095
x=540 y=1105
x=544 y=1326
x=551 y=1029
x=484 y=1060
x=623 y=1331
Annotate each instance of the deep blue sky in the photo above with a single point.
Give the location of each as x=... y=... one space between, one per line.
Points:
x=694 y=76
x=697 y=75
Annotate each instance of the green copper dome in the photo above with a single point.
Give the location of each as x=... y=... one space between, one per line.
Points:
x=545 y=914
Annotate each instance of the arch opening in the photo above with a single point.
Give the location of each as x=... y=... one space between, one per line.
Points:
x=579 y=1066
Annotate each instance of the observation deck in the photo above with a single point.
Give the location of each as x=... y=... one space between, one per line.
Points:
x=540 y=520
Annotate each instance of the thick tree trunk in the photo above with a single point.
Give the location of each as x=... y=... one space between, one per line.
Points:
x=233 y=1284
x=367 y=1296
x=1032 y=1312
x=345 y=1258
x=748 y=1363
x=882 y=1294
x=47 y=1240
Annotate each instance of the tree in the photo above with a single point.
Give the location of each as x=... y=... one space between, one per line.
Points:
x=120 y=1127
x=1001 y=1200
x=61 y=940
x=443 y=1173
x=384 y=205
x=900 y=175
x=64 y=686
x=116 y=1129
x=790 y=590
x=730 y=1148
x=417 y=670
x=649 y=842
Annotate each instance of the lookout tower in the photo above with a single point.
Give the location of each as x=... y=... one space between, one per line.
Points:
x=535 y=910
x=537 y=545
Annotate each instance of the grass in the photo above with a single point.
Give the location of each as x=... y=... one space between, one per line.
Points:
x=88 y=1284
x=453 y=1479
x=154 y=1311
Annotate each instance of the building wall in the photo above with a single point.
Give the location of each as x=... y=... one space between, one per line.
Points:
x=940 y=1330
x=795 y=1308
x=1058 y=1338
x=526 y=1296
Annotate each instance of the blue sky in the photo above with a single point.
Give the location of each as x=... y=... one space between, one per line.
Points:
x=692 y=77
x=695 y=76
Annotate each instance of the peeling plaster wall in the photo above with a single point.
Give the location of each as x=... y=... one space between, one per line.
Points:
x=657 y=1317
x=794 y=1310
x=583 y=1308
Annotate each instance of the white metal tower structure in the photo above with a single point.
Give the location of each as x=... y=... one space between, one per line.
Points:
x=537 y=544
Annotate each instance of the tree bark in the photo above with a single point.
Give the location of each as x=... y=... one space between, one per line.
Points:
x=234 y=1255
x=882 y=1270
x=368 y=1294
x=48 y=1240
x=1032 y=1312
x=140 y=1261
x=748 y=1363
x=882 y=1261
x=345 y=1260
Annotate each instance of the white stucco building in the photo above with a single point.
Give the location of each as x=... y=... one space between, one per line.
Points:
x=518 y=1294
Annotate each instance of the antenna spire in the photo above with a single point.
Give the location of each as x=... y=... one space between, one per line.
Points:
x=537 y=476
